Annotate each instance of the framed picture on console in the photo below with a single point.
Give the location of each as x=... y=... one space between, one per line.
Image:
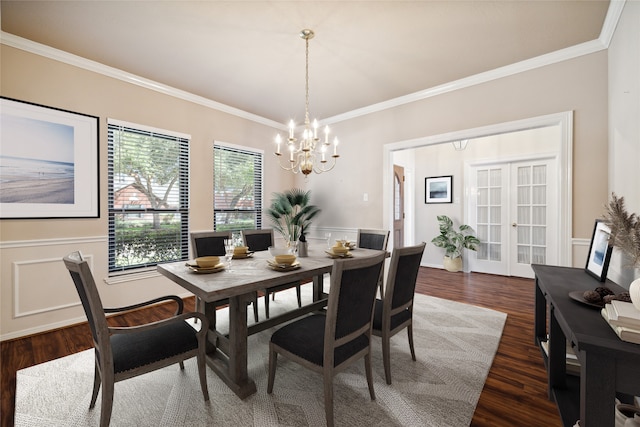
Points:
x=599 y=251
x=48 y=162
x=438 y=189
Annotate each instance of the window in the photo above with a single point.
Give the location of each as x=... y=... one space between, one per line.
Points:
x=148 y=196
x=237 y=184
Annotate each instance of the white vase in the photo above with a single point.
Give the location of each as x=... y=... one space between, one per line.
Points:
x=452 y=264
x=625 y=412
x=634 y=293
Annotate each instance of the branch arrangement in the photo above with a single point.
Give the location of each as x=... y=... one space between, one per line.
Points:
x=625 y=229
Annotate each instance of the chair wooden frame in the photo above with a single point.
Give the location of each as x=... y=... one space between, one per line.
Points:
x=398 y=298
x=247 y=238
x=106 y=374
x=194 y=237
x=328 y=368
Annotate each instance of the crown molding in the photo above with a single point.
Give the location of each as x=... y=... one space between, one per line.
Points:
x=495 y=74
x=96 y=67
x=602 y=43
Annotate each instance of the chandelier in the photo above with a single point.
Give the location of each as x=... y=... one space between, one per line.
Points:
x=308 y=154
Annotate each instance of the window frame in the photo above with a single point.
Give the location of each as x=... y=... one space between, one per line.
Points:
x=182 y=210
x=258 y=192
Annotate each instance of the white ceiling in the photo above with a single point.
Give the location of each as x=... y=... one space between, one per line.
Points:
x=248 y=55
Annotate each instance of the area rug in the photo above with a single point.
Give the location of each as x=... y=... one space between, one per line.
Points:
x=455 y=345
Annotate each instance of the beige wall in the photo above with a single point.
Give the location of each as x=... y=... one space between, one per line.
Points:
x=624 y=123
x=578 y=85
x=35 y=287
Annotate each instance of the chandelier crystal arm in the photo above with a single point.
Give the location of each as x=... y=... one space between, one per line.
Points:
x=308 y=155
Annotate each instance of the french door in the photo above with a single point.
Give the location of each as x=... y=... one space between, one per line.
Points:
x=514 y=209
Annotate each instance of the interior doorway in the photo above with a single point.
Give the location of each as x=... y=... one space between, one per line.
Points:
x=422 y=215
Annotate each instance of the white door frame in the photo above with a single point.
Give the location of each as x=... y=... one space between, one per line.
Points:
x=565 y=165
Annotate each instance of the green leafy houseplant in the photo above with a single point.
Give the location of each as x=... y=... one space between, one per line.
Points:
x=291 y=213
x=454 y=241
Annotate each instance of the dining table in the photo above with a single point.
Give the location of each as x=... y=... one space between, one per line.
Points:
x=227 y=352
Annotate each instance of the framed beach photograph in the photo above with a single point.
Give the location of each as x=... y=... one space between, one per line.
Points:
x=48 y=162
x=599 y=251
x=438 y=189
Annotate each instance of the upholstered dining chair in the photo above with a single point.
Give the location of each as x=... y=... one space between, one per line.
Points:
x=260 y=240
x=329 y=343
x=125 y=352
x=374 y=239
x=211 y=243
x=395 y=311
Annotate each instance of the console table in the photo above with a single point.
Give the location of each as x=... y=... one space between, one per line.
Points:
x=607 y=364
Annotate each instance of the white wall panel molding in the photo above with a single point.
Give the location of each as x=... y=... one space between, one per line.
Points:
x=15 y=244
x=34 y=277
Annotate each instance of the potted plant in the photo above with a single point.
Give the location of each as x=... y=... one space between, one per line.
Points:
x=453 y=242
x=291 y=214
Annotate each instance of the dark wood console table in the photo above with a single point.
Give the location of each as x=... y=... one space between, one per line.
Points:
x=607 y=364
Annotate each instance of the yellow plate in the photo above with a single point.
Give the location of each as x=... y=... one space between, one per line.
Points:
x=242 y=256
x=283 y=267
x=345 y=255
x=215 y=269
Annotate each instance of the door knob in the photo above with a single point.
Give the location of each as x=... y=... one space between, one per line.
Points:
x=514 y=225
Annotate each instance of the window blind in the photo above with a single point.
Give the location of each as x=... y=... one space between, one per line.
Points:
x=237 y=201
x=148 y=197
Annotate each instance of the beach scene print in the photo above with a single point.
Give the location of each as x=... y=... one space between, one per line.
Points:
x=36 y=161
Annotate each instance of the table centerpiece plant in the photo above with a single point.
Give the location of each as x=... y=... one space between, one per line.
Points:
x=454 y=242
x=291 y=213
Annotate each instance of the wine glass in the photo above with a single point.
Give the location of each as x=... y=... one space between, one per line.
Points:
x=228 y=252
x=328 y=237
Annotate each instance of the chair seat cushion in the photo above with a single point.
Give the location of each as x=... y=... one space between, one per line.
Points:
x=132 y=350
x=396 y=320
x=305 y=339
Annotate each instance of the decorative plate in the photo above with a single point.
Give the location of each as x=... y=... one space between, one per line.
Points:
x=243 y=256
x=283 y=267
x=577 y=296
x=199 y=270
x=345 y=255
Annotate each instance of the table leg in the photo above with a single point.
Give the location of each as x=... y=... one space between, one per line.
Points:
x=597 y=390
x=232 y=367
x=318 y=285
x=557 y=369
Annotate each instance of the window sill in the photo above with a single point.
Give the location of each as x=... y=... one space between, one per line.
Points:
x=117 y=278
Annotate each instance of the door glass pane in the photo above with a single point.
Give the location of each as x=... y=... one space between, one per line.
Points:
x=539 y=215
x=539 y=236
x=539 y=195
x=523 y=215
x=523 y=196
x=539 y=255
x=524 y=255
x=524 y=235
x=540 y=174
x=483 y=196
x=495 y=252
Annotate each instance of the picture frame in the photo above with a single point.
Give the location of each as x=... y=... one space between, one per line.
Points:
x=599 y=251
x=438 y=189
x=49 y=165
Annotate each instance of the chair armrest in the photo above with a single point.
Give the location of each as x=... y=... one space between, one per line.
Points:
x=175 y=298
x=179 y=318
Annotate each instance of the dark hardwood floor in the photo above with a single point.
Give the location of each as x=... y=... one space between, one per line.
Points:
x=515 y=393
